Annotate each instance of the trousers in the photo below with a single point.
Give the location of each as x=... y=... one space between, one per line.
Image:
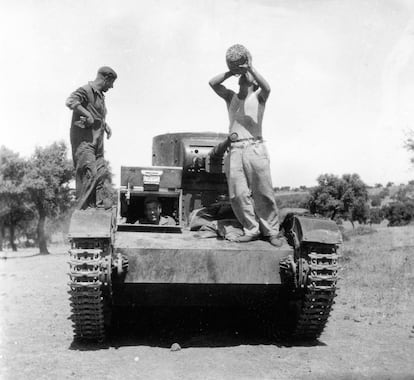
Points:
x=91 y=170
x=247 y=169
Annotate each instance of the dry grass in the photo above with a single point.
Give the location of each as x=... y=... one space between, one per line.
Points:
x=377 y=272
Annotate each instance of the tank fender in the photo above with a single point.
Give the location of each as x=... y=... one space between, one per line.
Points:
x=316 y=230
x=92 y=222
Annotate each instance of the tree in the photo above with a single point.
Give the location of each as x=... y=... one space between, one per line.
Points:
x=404 y=193
x=325 y=198
x=376 y=215
x=376 y=200
x=14 y=207
x=47 y=183
x=346 y=197
x=385 y=192
x=409 y=144
x=360 y=211
x=399 y=213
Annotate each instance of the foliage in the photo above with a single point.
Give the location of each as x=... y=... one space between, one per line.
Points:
x=47 y=184
x=376 y=200
x=376 y=215
x=293 y=200
x=404 y=193
x=409 y=144
x=15 y=209
x=360 y=210
x=344 y=197
x=399 y=213
x=385 y=192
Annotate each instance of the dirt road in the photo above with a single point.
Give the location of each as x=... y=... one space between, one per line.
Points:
x=370 y=333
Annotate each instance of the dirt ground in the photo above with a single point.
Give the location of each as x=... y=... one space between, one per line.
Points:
x=370 y=333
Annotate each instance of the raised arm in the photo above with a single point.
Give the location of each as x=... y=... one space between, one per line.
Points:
x=222 y=91
x=264 y=86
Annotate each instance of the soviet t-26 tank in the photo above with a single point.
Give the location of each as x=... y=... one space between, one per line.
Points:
x=118 y=260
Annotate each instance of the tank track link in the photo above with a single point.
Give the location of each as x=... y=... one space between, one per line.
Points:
x=311 y=281
x=90 y=292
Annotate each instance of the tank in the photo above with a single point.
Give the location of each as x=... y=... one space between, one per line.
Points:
x=117 y=261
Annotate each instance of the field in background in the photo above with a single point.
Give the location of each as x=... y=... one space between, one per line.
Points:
x=377 y=271
x=370 y=333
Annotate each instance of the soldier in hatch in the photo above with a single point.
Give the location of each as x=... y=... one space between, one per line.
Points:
x=152 y=211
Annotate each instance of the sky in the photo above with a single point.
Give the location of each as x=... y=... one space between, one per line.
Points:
x=340 y=72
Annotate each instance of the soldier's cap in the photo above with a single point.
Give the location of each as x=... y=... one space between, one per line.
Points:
x=107 y=72
x=151 y=199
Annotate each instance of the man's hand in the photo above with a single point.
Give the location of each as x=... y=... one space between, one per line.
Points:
x=108 y=131
x=90 y=120
x=245 y=67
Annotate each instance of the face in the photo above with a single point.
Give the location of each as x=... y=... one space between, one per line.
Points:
x=153 y=212
x=108 y=83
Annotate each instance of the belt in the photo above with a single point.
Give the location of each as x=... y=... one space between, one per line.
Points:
x=258 y=138
x=244 y=143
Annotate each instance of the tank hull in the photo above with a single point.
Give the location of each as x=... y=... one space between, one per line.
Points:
x=162 y=258
x=186 y=270
x=200 y=295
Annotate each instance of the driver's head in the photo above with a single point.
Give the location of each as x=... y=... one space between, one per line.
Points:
x=152 y=210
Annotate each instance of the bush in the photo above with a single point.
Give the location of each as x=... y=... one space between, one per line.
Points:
x=293 y=200
x=375 y=200
x=399 y=213
x=376 y=215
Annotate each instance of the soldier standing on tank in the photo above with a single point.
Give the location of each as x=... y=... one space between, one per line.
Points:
x=247 y=164
x=87 y=138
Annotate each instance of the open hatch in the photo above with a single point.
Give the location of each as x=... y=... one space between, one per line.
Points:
x=138 y=185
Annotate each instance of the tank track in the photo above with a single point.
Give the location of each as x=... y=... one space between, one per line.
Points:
x=90 y=290
x=310 y=280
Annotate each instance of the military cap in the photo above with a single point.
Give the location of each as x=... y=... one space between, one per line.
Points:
x=107 y=72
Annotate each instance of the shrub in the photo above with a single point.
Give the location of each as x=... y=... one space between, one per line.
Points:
x=399 y=213
x=376 y=215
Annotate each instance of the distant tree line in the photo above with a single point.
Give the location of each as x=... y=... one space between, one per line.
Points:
x=34 y=192
x=349 y=198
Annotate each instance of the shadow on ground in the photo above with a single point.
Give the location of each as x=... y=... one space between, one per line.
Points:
x=191 y=327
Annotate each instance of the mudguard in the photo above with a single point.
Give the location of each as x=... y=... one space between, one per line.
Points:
x=316 y=230
x=92 y=222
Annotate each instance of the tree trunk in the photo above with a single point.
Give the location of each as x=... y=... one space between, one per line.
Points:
x=1 y=235
x=41 y=236
x=11 y=237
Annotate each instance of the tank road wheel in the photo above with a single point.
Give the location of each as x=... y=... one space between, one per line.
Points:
x=90 y=290
x=310 y=288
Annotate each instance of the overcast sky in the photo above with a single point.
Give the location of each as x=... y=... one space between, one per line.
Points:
x=341 y=74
